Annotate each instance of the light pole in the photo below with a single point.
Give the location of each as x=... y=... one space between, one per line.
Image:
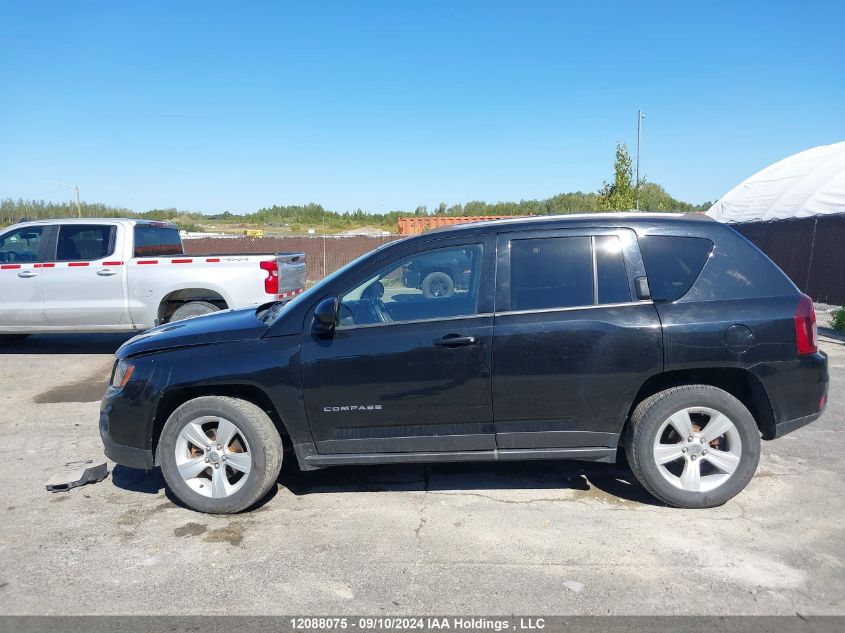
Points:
x=640 y=117
x=76 y=187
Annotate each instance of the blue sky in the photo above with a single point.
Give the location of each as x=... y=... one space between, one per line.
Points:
x=214 y=106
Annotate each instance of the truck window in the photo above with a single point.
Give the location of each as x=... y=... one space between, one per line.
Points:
x=84 y=242
x=151 y=241
x=673 y=263
x=21 y=246
x=554 y=272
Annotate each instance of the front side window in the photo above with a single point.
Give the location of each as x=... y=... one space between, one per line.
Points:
x=435 y=284
x=21 y=245
x=84 y=242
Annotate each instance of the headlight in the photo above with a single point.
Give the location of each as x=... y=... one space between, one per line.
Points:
x=122 y=373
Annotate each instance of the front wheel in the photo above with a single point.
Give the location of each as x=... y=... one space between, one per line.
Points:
x=219 y=455
x=694 y=446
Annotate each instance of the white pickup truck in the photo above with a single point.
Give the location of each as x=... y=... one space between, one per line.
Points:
x=111 y=275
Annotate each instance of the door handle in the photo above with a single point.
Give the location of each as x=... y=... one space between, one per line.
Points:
x=27 y=274
x=106 y=272
x=456 y=340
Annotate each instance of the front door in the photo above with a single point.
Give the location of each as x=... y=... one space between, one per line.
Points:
x=21 y=253
x=85 y=285
x=408 y=367
x=573 y=345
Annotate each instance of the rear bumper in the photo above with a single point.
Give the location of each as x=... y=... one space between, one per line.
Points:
x=791 y=425
x=798 y=394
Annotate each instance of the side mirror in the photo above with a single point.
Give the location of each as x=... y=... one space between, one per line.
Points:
x=325 y=315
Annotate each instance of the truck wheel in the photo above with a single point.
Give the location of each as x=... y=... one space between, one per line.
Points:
x=694 y=446
x=192 y=309
x=437 y=284
x=219 y=455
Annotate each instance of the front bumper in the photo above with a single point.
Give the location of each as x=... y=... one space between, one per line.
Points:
x=128 y=455
x=125 y=421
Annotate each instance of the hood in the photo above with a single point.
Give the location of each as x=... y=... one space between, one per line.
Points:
x=217 y=327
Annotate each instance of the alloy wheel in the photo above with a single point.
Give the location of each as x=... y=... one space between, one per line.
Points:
x=213 y=456
x=697 y=449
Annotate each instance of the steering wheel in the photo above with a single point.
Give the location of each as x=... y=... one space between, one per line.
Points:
x=11 y=256
x=373 y=295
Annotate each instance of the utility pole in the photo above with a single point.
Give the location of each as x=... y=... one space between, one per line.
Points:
x=640 y=117
x=75 y=187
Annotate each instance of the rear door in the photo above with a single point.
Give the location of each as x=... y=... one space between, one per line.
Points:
x=572 y=344
x=85 y=285
x=21 y=255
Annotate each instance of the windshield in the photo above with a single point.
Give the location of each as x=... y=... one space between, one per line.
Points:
x=278 y=309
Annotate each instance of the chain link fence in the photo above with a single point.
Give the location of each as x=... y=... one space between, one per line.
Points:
x=324 y=254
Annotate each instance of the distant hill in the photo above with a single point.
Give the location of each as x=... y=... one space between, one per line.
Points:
x=652 y=198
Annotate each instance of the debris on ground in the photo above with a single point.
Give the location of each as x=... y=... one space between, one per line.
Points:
x=66 y=479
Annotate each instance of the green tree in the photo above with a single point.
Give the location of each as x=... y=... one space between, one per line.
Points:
x=621 y=194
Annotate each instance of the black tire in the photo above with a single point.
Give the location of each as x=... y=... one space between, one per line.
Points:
x=437 y=285
x=261 y=435
x=192 y=309
x=646 y=421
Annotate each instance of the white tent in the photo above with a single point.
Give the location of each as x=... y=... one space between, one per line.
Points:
x=809 y=183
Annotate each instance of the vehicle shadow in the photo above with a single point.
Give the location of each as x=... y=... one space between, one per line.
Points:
x=151 y=482
x=63 y=344
x=596 y=480
x=614 y=481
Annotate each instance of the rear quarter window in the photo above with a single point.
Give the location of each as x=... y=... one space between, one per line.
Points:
x=151 y=241
x=673 y=263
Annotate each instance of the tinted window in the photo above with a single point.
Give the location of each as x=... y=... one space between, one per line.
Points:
x=435 y=284
x=157 y=240
x=21 y=246
x=84 y=242
x=673 y=263
x=554 y=272
x=610 y=268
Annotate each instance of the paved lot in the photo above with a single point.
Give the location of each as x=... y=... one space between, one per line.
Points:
x=551 y=537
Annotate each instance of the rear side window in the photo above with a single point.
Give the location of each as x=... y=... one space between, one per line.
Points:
x=555 y=272
x=84 y=242
x=673 y=263
x=610 y=270
x=153 y=241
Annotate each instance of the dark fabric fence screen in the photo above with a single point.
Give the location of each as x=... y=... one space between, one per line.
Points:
x=810 y=250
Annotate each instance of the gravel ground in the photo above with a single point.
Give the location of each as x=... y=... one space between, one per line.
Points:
x=553 y=537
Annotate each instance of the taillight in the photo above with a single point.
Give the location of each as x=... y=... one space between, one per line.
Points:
x=271 y=283
x=805 y=326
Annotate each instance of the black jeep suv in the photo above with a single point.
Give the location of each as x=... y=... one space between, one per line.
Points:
x=669 y=335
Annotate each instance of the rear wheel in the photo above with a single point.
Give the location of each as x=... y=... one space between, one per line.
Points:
x=219 y=454
x=192 y=309
x=694 y=446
